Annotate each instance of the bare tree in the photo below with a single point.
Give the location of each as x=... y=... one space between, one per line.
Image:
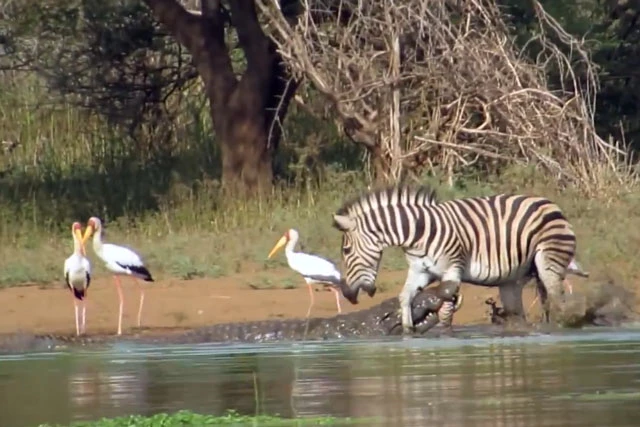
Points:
x=245 y=110
x=425 y=83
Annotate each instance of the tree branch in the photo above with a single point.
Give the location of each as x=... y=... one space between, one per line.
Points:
x=254 y=42
x=182 y=24
x=220 y=71
x=203 y=36
x=443 y=71
x=266 y=76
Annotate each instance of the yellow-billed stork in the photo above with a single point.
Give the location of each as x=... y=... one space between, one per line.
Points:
x=314 y=269
x=77 y=274
x=121 y=261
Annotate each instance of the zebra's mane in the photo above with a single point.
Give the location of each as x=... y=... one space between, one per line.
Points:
x=395 y=195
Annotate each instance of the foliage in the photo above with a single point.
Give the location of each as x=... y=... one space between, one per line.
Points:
x=619 y=54
x=110 y=58
x=448 y=87
x=611 y=31
x=188 y=418
x=115 y=60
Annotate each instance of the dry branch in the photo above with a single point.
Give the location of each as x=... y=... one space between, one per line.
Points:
x=425 y=83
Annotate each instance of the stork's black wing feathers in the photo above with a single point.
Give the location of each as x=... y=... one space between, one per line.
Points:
x=326 y=279
x=139 y=270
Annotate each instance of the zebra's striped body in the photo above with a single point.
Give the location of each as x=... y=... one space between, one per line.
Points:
x=500 y=240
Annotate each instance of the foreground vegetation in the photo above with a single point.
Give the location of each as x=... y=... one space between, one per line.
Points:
x=187 y=418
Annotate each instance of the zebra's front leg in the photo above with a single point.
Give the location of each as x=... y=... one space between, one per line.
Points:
x=417 y=279
x=511 y=297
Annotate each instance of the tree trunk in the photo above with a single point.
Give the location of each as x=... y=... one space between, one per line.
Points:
x=244 y=144
x=380 y=167
x=247 y=121
x=246 y=112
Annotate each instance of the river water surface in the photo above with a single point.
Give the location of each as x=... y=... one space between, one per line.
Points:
x=579 y=378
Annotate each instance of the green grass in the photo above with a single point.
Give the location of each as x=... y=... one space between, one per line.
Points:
x=189 y=241
x=169 y=208
x=606 y=395
x=188 y=418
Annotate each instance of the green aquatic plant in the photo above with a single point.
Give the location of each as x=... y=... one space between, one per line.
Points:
x=188 y=418
x=601 y=395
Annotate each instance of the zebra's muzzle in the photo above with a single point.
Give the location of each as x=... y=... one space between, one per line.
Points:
x=370 y=289
x=351 y=292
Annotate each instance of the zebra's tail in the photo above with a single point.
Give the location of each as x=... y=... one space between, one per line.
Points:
x=575 y=269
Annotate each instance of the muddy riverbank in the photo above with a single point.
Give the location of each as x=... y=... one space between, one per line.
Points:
x=377 y=321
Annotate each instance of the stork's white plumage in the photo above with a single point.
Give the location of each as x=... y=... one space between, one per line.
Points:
x=314 y=269
x=121 y=261
x=77 y=274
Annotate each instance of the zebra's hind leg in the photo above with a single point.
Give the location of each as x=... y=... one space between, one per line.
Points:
x=551 y=295
x=511 y=297
x=550 y=285
x=542 y=293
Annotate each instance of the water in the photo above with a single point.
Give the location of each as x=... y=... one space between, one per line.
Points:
x=580 y=378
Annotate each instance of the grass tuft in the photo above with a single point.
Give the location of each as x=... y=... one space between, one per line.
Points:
x=188 y=418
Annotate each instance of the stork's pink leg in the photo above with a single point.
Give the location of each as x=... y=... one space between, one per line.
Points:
x=119 y=288
x=75 y=305
x=335 y=291
x=84 y=314
x=141 y=301
x=312 y=299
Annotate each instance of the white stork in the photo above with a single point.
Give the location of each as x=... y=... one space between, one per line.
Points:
x=121 y=261
x=314 y=269
x=77 y=274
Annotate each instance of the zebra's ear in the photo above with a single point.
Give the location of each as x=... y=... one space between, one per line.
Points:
x=343 y=223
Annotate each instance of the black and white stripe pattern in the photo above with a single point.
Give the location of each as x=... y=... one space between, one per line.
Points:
x=499 y=240
x=446 y=312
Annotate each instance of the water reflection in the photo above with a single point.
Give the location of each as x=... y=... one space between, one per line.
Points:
x=97 y=383
x=496 y=382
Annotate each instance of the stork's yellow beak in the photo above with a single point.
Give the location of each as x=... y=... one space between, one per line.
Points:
x=281 y=243
x=87 y=233
x=78 y=234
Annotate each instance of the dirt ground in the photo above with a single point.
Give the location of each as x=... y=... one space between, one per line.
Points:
x=183 y=304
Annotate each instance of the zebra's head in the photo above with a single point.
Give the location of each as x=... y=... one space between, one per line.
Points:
x=370 y=223
x=361 y=255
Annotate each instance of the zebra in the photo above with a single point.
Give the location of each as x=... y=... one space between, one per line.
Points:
x=501 y=240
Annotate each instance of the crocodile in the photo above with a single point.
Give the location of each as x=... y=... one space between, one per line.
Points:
x=429 y=308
